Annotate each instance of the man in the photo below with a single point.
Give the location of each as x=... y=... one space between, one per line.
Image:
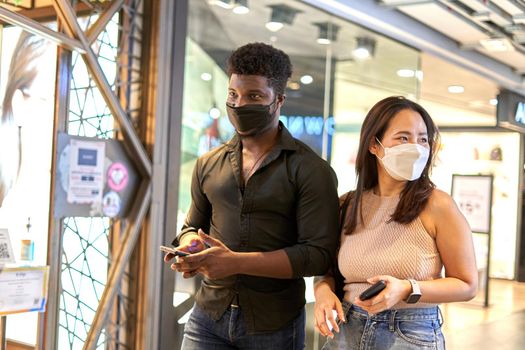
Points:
x=270 y=207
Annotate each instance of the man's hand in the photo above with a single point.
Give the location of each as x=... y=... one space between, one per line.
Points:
x=215 y=262
x=190 y=243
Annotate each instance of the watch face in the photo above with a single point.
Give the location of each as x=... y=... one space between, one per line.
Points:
x=413 y=298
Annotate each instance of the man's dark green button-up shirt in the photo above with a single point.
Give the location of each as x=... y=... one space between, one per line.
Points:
x=289 y=203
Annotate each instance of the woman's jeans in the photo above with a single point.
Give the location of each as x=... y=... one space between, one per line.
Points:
x=203 y=333
x=418 y=328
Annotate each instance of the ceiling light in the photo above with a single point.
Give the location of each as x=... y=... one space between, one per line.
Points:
x=406 y=73
x=419 y=75
x=281 y=15
x=274 y=26
x=456 y=89
x=327 y=32
x=307 y=79
x=497 y=44
x=293 y=85
x=240 y=7
x=206 y=76
x=225 y=4
x=214 y=112
x=365 y=48
x=493 y=101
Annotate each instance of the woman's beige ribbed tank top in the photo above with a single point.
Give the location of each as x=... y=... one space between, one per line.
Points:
x=380 y=247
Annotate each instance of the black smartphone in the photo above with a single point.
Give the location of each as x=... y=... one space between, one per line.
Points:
x=173 y=251
x=373 y=290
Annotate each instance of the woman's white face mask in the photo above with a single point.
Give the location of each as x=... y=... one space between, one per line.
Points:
x=405 y=161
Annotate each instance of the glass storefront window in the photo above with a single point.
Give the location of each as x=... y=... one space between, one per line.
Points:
x=339 y=71
x=27 y=89
x=464 y=153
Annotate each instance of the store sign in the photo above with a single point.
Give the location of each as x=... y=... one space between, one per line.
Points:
x=310 y=130
x=308 y=125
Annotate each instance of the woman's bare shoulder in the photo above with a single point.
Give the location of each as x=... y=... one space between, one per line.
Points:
x=440 y=201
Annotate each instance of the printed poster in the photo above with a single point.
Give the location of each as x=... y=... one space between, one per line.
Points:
x=86 y=171
x=23 y=289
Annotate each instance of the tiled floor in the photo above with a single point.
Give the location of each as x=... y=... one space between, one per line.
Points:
x=499 y=326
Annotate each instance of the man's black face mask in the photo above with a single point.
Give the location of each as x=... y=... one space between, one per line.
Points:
x=252 y=118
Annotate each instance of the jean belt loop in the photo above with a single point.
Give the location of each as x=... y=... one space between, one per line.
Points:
x=235 y=301
x=392 y=320
x=440 y=316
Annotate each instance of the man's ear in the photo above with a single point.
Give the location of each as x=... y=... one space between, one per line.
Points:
x=280 y=99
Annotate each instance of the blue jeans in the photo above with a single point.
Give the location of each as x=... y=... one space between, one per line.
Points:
x=203 y=333
x=407 y=329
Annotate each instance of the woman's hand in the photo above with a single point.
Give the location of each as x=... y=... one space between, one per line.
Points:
x=396 y=290
x=325 y=302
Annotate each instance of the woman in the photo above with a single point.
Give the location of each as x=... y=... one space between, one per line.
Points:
x=23 y=71
x=396 y=227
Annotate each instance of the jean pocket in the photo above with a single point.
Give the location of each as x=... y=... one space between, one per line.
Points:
x=420 y=332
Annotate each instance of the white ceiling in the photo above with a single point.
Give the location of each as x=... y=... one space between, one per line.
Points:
x=298 y=40
x=469 y=21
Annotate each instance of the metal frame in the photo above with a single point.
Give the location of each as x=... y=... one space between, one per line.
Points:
x=48 y=323
x=80 y=41
x=67 y=15
x=172 y=39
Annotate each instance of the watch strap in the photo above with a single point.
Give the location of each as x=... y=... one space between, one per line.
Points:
x=415 y=294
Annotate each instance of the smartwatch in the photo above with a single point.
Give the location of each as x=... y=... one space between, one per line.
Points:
x=416 y=292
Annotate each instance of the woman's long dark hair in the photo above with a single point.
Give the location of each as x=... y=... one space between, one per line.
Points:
x=415 y=195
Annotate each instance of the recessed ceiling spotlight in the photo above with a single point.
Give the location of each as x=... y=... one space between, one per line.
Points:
x=406 y=73
x=281 y=15
x=456 y=89
x=240 y=7
x=214 y=112
x=307 y=79
x=206 y=76
x=493 y=101
x=327 y=32
x=497 y=44
x=365 y=48
x=274 y=26
x=293 y=85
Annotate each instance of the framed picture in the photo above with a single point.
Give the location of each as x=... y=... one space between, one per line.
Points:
x=473 y=195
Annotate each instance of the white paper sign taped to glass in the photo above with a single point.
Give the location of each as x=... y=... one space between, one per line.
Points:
x=23 y=289
x=6 y=250
x=86 y=171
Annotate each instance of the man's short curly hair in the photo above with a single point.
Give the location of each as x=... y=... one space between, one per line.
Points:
x=264 y=60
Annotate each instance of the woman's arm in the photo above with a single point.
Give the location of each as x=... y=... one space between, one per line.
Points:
x=325 y=302
x=454 y=242
x=443 y=220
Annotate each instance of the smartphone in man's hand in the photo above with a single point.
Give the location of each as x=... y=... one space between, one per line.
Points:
x=173 y=251
x=373 y=290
